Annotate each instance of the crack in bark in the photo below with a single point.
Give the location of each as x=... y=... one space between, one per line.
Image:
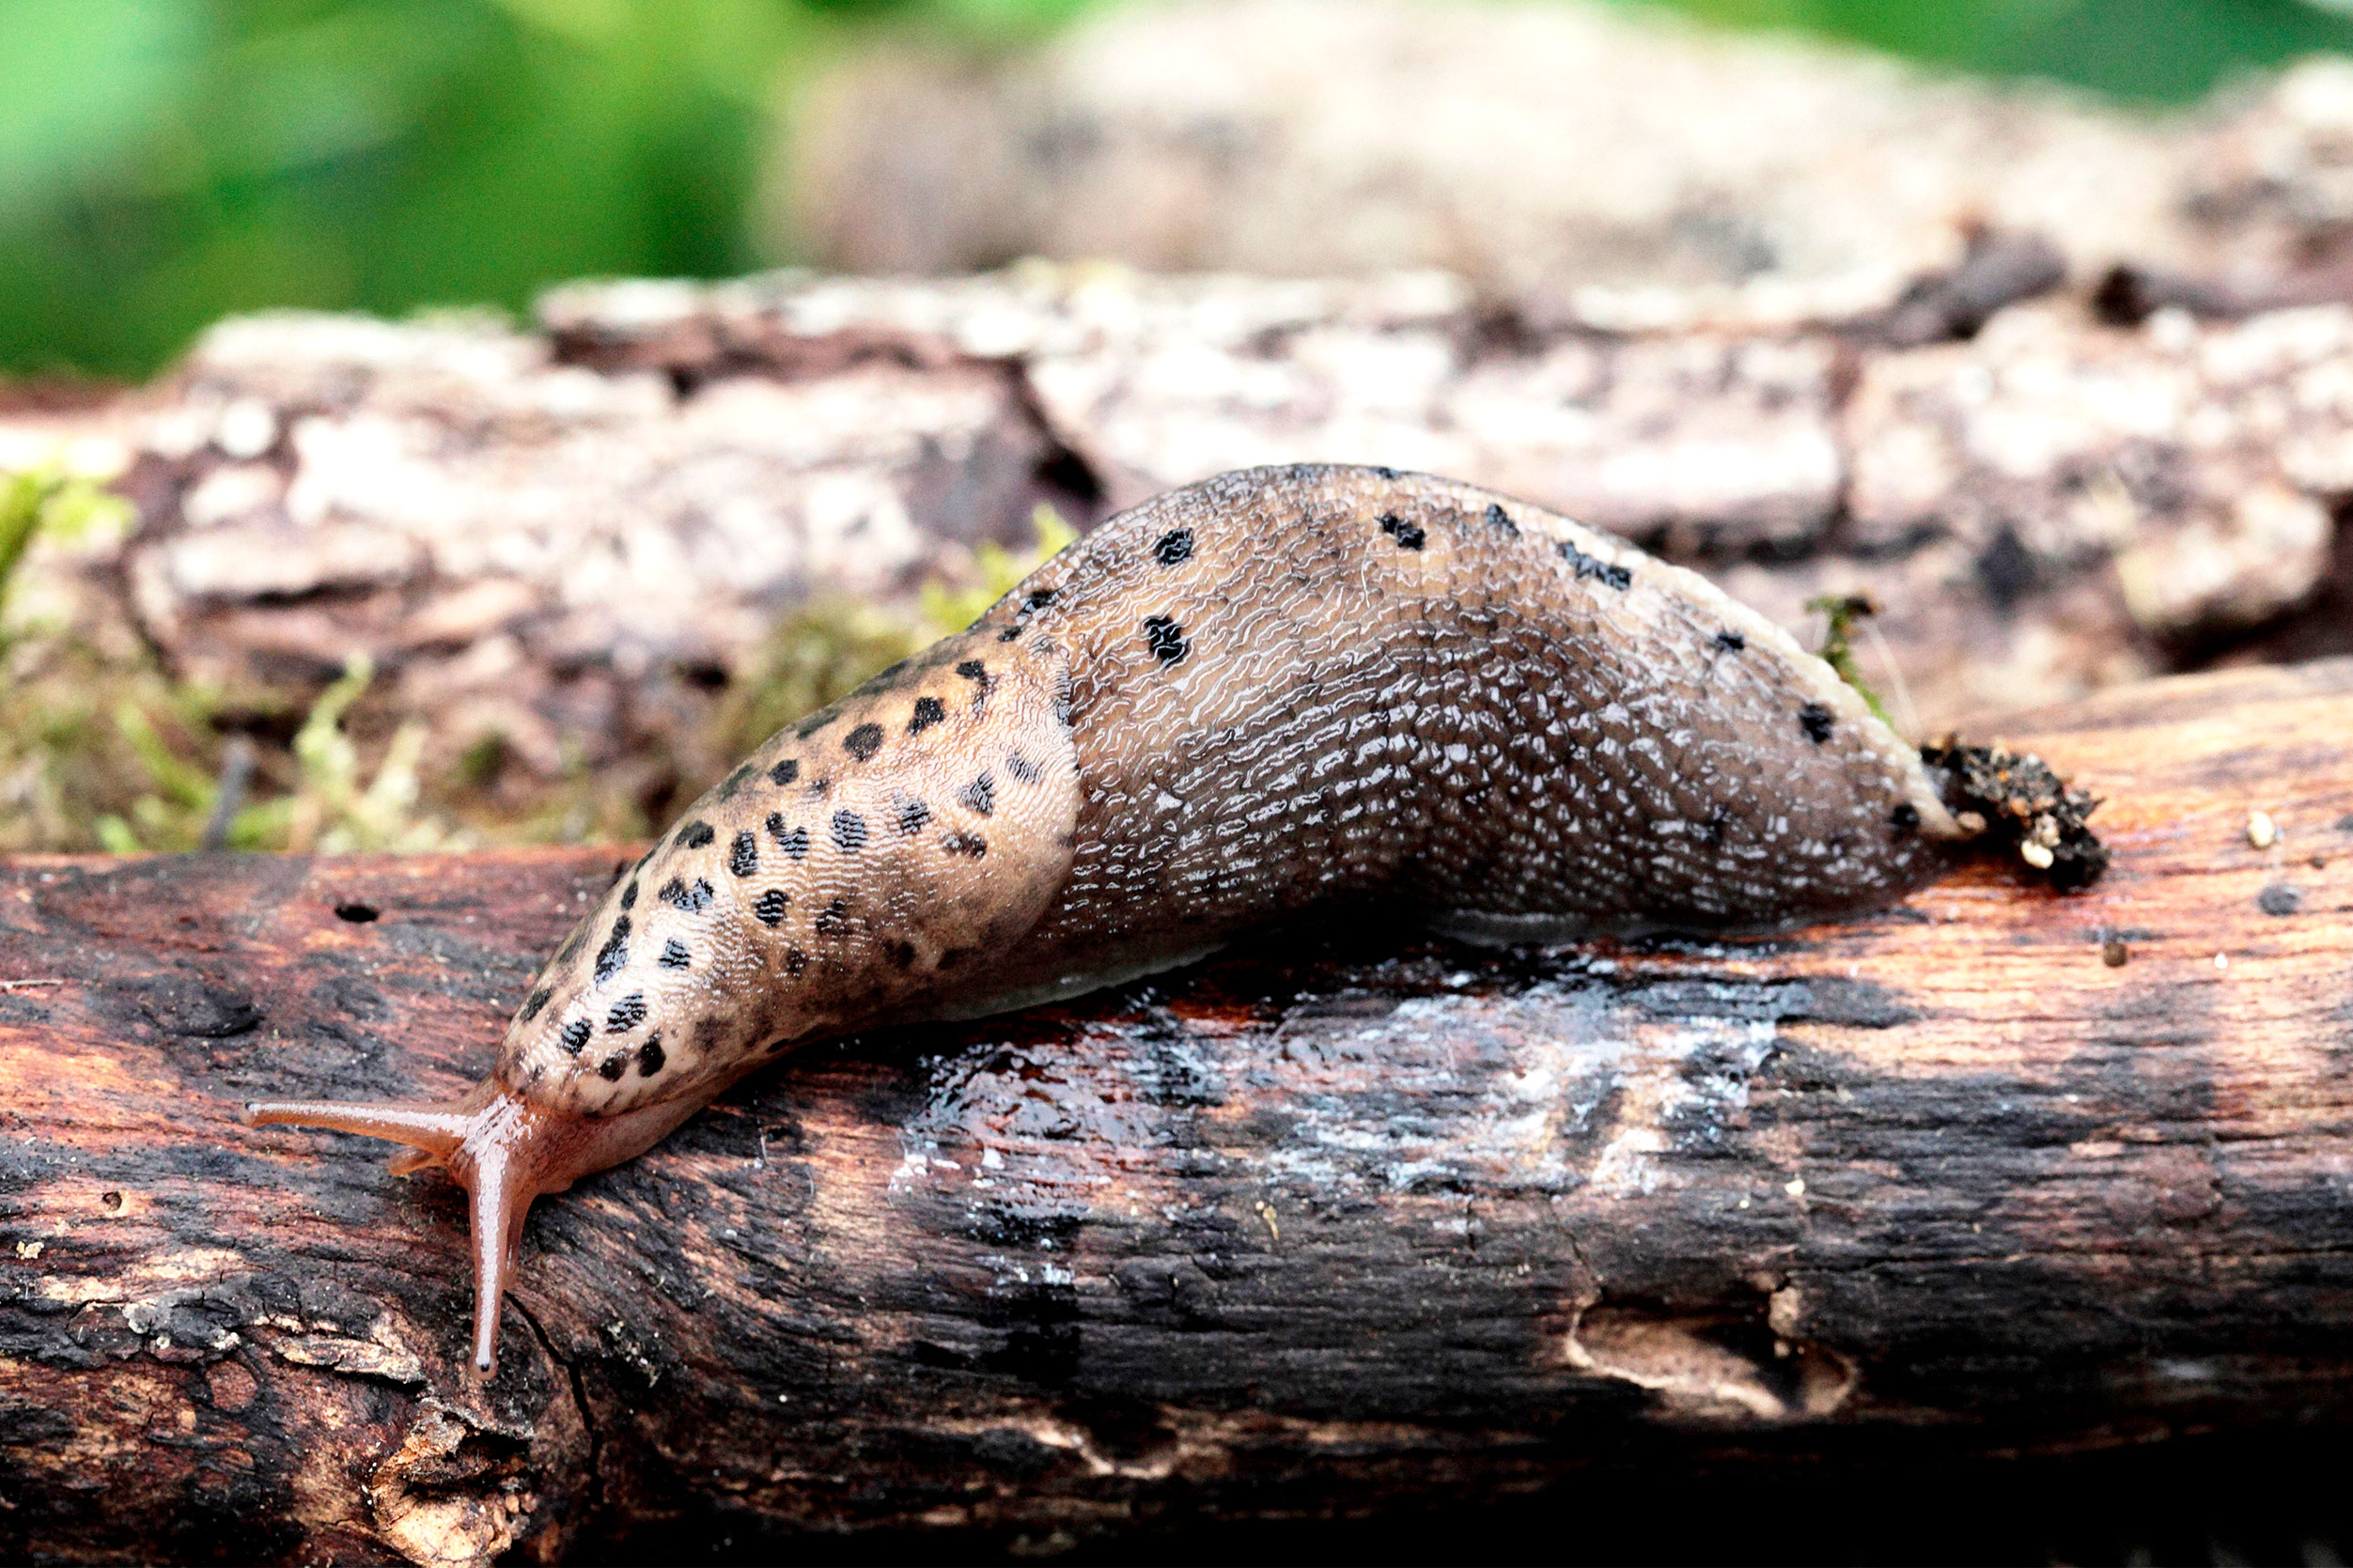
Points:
x=580 y=1404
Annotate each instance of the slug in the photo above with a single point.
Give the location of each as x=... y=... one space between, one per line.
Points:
x=1275 y=694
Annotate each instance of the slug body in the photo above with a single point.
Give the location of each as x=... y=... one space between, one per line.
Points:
x=1273 y=693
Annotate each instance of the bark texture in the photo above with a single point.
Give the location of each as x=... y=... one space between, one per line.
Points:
x=563 y=546
x=1621 y=170
x=1325 y=1227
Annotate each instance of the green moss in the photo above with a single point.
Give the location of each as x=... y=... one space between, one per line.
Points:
x=825 y=650
x=1843 y=613
x=105 y=750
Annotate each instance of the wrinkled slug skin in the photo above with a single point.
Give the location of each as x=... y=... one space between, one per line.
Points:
x=1275 y=691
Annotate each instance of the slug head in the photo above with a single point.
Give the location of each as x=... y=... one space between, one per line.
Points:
x=503 y=1150
x=877 y=855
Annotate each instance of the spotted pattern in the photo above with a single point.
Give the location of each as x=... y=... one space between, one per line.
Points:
x=1165 y=637
x=1273 y=691
x=1610 y=573
x=613 y=955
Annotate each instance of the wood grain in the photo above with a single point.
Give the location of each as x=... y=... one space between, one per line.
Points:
x=1334 y=1225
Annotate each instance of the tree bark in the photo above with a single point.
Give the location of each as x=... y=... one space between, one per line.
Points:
x=1323 y=1228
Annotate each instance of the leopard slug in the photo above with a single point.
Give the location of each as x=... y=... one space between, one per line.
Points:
x=1271 y=694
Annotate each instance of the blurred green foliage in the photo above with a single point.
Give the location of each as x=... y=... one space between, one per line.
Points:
x=165 y=162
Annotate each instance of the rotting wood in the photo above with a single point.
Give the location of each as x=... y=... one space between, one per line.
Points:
x=1325 y=1226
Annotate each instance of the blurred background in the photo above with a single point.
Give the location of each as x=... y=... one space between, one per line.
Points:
x=164 y=162
x=2030 y=317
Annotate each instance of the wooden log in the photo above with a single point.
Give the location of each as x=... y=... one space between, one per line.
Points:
x=1330 y=1226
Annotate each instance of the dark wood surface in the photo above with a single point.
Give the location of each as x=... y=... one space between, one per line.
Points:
x=1324 y=1228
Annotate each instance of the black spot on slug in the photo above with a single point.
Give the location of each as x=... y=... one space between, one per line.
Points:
x=1038 y=598
x=693 y=900
x=769 y=908
x=536 y=1001
x=1175 y=546
x=814 y=722
x=849 y=832
x=980 y=796
x=1816 y=721
x=901 y=953
x=575 y=1035
x=627 y=1014
x=1165 y=637
x=611 y=1068
x=785 y=771
x=794 y=841
x=1407 y=534
x=572 y=944
x=929 y=712
x=833 y=920
x=1501 y=519
x=650 y=1057
x=795 y=961
x=1009 y=634
x=736 y=781
x=964 y=844
x=1905 y=818
x=1020 y=768
x=695 y=835
x=675 y=955
x=628 y=895
x=1591 y=566
x=863 y=741
x=913 y=815
x=1385 y=473
x=744 y=855
x=613 y=955
x=973 y=669
x=1731 y=641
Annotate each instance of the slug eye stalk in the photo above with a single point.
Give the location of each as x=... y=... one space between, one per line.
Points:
x=503 y=1150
